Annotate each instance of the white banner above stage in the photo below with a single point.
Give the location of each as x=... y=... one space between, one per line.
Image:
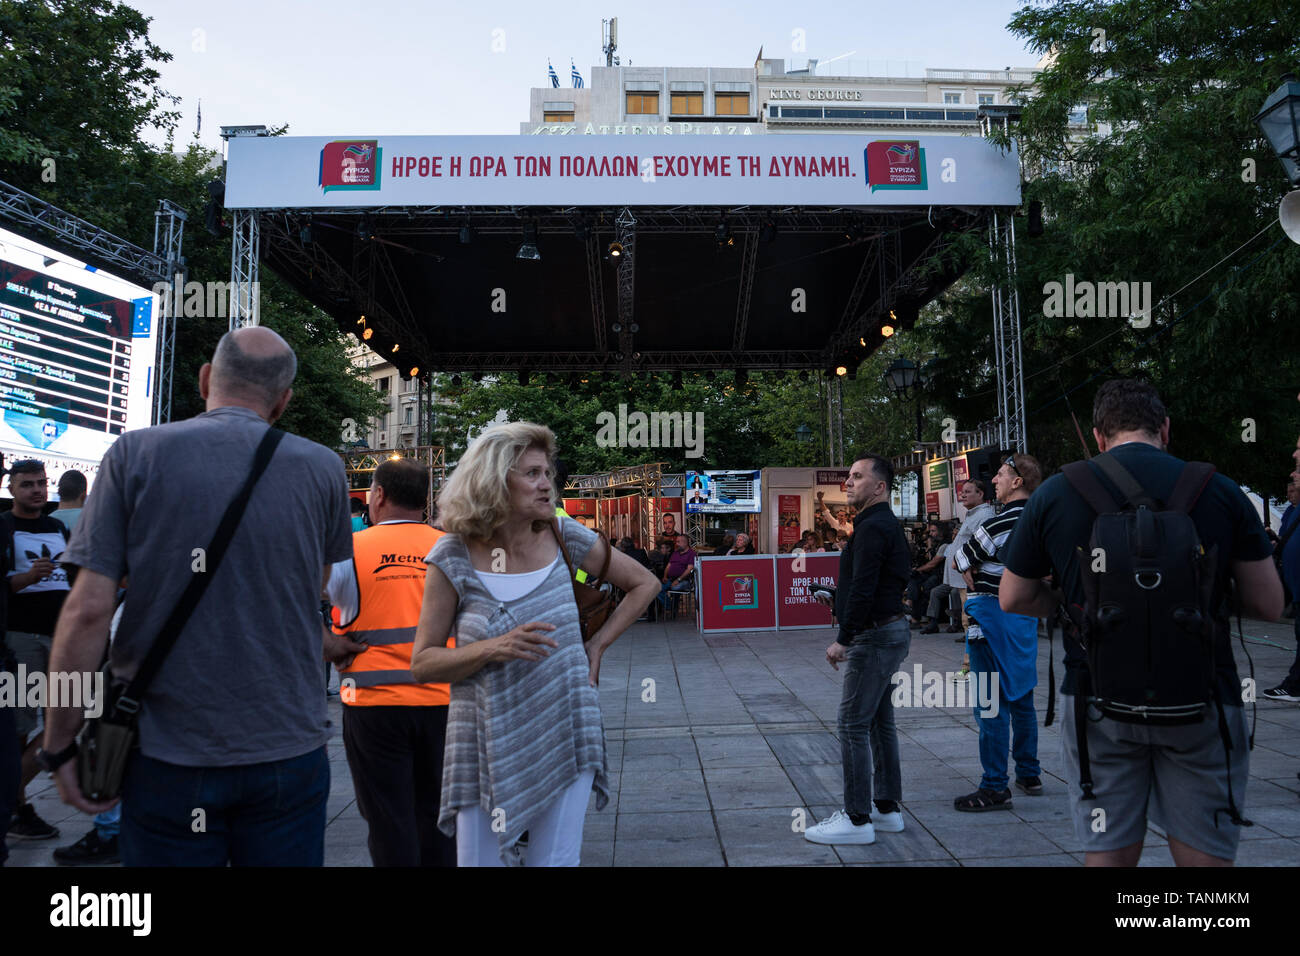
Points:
x=276 y=172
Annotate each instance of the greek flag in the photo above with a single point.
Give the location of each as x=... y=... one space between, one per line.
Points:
x=555 y=80
x=577 y=77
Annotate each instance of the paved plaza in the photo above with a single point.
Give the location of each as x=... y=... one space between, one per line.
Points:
x=739 y=741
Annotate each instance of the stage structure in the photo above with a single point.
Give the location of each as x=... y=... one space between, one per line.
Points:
x=625 y=255
x=644 y=480
x=83 y=239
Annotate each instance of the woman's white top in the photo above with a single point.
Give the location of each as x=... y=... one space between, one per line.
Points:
x=509 y=587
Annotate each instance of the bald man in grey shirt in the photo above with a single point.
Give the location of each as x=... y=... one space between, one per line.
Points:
x=233 y=724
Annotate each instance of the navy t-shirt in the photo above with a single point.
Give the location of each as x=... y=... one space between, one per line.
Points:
x=1057 y=520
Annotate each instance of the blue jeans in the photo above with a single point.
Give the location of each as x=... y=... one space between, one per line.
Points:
x=868 y=735
x=263 y=814
x=109 y=823
x=1292 y=682
x=1015 y=718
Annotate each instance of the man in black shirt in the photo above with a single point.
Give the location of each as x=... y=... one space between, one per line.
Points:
x=873 y=642
x=1180 y=774
x=38 y=585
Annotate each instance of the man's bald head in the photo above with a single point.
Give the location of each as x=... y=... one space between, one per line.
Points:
x=253 y=366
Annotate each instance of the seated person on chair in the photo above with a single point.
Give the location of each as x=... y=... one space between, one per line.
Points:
x=679 y=572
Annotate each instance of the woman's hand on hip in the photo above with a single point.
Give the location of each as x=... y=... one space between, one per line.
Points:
x=527 y=642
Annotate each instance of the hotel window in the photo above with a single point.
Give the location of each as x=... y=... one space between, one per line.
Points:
x=642 y=104
x=557 y=112
x=381 y=385
x=986 y=99
x=950 y=99
x=408 y=414
x=686 y=104
x=731 y=104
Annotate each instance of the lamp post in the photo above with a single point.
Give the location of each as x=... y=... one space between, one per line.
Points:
x=1279 y=121
x=902 y=376
x=804 y=436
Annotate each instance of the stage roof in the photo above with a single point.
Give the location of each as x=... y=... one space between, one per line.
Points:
x=827 y=234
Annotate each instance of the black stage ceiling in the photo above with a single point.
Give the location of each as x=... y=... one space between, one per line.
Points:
x=445 y=288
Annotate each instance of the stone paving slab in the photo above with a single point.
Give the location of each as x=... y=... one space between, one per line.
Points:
x=738 y=748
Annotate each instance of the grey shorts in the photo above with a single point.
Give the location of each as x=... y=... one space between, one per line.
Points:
x=34 y=651
x=1175 y=776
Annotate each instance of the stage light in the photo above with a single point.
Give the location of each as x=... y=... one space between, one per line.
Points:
x=395 y=348
x=886 y=330
x=768 y=232
x=415 y=370
x=723 y=234
x=615 y=249
x=466 y=234
x=361 y=321
x=841 y=370
x=528 y=248
x=367 y=333
x=364 y=228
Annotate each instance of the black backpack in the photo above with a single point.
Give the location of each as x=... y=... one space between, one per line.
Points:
x=1147 y=625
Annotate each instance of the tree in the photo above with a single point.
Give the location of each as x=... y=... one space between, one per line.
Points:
x=1174 y=186
x=91 y=121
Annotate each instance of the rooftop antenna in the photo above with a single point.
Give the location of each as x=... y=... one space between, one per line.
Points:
x=609 y=40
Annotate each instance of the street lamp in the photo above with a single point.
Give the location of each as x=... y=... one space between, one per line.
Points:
x=1279 y=121
x=803 y=434
x=902 y=376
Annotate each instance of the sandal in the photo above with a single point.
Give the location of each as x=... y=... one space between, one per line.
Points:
x=983 y=800
x=1030 y=785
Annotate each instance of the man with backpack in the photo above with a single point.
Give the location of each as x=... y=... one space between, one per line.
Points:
x=1144 y=546
x=38 y=585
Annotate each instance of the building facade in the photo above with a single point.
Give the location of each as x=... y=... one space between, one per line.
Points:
x=773 y=96
x=397 y=427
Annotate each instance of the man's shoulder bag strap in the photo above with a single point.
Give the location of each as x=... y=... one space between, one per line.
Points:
x=129 y=703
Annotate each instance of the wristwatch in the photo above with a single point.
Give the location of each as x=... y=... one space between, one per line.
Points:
x=53 y=761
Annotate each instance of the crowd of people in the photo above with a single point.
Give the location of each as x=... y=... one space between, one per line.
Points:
x=1139 y=553
x=469 y=647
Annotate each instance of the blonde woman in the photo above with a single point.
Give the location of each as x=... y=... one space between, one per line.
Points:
x=525 y=745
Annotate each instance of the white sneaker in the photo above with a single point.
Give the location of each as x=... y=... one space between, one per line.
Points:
x=839 y=829
x=888 y=822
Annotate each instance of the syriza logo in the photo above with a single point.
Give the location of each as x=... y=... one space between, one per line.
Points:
x=738 y=592
x=350 y=164
x=895 y=164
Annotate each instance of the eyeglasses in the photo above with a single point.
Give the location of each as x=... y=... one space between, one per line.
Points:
x=532 y=474
x=1011 y=463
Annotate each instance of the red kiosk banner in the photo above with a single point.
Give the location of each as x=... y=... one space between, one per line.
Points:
x=788 y=507
x=736 y=593
x=796 y=607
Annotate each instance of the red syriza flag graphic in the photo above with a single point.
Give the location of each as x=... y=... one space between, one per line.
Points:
x=350 y=164
x=894 y=164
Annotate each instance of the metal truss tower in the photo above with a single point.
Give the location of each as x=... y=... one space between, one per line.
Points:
x=1006 y=332
x=168 y=236
x=244 y=286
